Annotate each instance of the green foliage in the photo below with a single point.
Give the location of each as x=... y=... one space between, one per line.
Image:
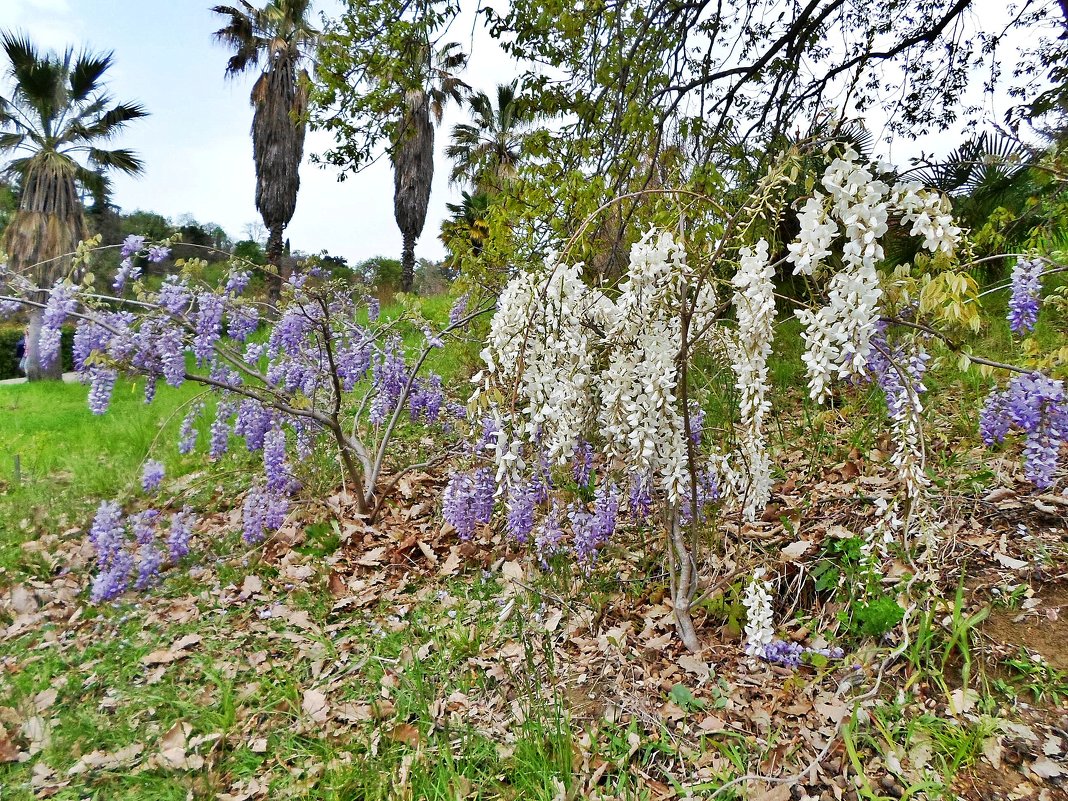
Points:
x=381 y=272
x=250 y=251
x=370 y=59
x=877 y=617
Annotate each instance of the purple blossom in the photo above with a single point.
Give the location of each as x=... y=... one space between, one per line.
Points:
x=252 y=423
x=783 y=653
x=151 y=476
x=275 y=464
x=639 y=498
x=468 y=500
x=389 y=377
x=459 y=309
x=208 y=324
x=582 y=463
x=220 y=430
x=433 y=340
x=275 y=513
x=158 y=253
x=520 y=521
x=790 y=654
x=252 y=515
x=353 y=361
x=112 y=580
x=426 y=397
x=107 y=534
x=1026 y=291
x=132 y=244
x=128 y=271
x=242 y=321
x=101 y=385
x=374 y=308
x=237 y=281
x=149 y=561
x=144 y=526
x=898 y=368
x=697 y=423
x=289 y=333
x=108 y=538
x=707 y=486
x=187 y=434
x=181 y=530
x=61 y=303
x=488 y=437
x=548 y=536
x=174 y=295
x=1037 y=407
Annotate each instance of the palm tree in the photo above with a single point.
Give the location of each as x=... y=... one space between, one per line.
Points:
x=487 y=151
x=467 y=230
x=51 y=125
x=281 y=35
x=412 y=150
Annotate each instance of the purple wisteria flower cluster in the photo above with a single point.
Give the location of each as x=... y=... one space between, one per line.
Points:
x=898 y=368
x=128 y=549
x=532 y=512
x=791 y=654
x=468 y=500
x=1036 y=406
x=1026 y=294
x=132 y=254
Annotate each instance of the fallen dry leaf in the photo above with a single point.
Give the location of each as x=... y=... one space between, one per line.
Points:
x=405 y=733
x=8 y=751
x=102 y=760
x=315 y=706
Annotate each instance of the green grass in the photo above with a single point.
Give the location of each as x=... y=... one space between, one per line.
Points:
x=69 y=459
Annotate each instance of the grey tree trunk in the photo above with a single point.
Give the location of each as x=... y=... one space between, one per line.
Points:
x=34 y=370
x=408 y=263
x=274 y=258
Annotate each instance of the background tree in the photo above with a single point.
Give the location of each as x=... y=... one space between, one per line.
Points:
x=281 y=35
x=486 y=152
x=384 y=78
x=52 y=121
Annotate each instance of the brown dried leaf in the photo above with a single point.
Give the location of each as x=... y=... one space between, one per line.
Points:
x=405 y=733
x=315 y=706
x=8 y=751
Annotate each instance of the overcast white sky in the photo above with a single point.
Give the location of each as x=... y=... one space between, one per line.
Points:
x=196 y=144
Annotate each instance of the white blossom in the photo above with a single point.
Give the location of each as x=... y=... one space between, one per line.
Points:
x=759 y=628
x=754 y=304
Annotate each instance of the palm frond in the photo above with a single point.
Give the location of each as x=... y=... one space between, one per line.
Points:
x=86 y=73
x=122 y=159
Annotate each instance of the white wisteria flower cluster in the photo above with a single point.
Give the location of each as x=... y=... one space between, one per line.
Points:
x=857 y=206
x=574 y=357
x=754 y=304
x=759 y=626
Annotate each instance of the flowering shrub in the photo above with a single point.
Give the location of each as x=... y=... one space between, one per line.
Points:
x=316 y=374
x=571 y=369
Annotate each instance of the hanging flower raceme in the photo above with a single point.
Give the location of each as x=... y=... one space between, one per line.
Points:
x=754 y=304
x=1026 y=294
x=1036 y=406
x=838 y=335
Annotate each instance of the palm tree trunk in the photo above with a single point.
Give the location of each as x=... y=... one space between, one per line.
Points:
x=34 y=370
x=274 y=259
x=408 y=263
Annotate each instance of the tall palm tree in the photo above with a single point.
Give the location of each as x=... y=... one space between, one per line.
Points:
x=487 y=151
x=412 y=150
x=51 y=125
x=282 y=36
